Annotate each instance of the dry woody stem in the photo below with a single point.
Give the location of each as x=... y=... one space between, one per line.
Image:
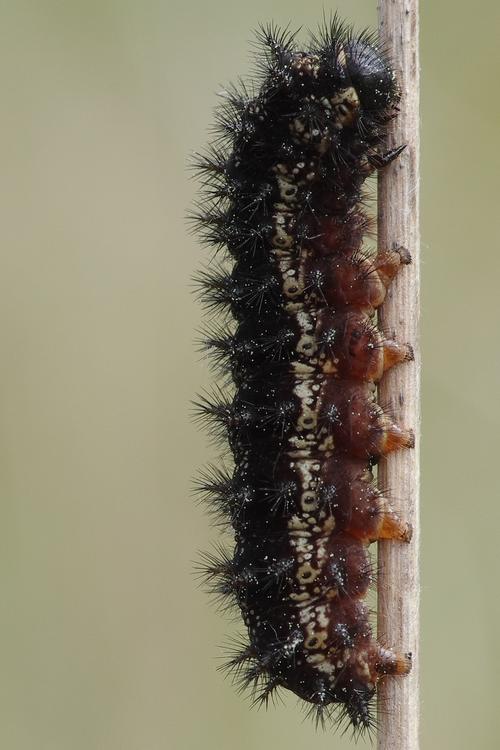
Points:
x=398 y=224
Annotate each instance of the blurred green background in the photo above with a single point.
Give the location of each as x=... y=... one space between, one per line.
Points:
x=107 y=644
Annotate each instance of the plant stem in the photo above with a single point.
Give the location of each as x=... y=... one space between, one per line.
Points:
x=398 y=223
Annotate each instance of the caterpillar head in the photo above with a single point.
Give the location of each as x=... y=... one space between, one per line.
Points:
x=370 y=75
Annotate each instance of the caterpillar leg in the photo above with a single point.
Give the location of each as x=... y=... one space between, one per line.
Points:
x=395 y=352
x=392 y=437
x=387 y=263
x=389 y=662
x=372 y=277
x=377 y=522
x=393 y=527
x=377 y=160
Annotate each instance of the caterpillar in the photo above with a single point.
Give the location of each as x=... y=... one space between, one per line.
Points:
x=283 y=200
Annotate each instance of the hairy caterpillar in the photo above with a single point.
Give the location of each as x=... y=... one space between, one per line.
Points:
x=283 y=186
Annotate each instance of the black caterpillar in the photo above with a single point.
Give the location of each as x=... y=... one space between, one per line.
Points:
x=283 y=185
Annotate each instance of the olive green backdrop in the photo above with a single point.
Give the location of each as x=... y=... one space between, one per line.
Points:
x=106 y=643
